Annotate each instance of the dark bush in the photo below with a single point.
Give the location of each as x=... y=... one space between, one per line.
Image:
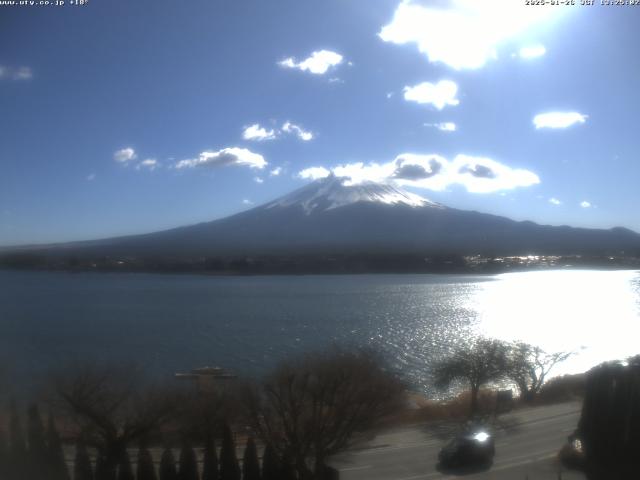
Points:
x=188 y=464
x=17 y=462
x=4 y=456
x=168 y=466
x=229 y=468
x=125 y=471
x=270 y=464
x=82 y=465
x=104 y=470
x=57 y=464
x=210 y=461
x=145 y=469
x=562 y=389
x=250 y=464
x=287 y=471
x=37 y=454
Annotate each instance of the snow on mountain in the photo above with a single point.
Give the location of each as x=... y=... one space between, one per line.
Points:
x=333 y=192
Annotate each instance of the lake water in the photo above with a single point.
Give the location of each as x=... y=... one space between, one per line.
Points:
x=171 y=323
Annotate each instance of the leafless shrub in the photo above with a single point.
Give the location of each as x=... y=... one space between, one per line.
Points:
x=112 y=408
x=313 y=407
x=529 y=366
x=482 y=361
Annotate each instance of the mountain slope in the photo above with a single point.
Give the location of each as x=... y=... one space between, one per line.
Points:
x=328 y=216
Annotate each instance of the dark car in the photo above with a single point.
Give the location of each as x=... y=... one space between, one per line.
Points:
x=472 y=447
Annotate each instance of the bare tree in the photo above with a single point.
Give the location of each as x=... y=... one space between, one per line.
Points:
x=313 y=407
x=112 y=408
x=529 y=366
x=482 y=361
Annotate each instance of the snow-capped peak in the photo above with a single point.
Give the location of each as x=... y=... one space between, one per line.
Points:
x=332 y=192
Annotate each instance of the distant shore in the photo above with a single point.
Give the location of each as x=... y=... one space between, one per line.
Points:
x=318 y=264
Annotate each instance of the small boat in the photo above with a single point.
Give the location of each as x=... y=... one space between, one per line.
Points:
x=212 y=373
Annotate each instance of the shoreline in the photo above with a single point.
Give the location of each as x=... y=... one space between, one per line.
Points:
x=336 y=265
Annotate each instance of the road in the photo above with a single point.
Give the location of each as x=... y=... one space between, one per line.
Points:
x=527 y=443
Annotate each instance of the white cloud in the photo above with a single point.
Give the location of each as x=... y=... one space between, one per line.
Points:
x=463 y=34
x=256 y=132
x=558 y=119
x=443 y=126
x=149 y=164
x=125 y=155
x=532 y=51
x=275 y=172
x=23 y=73
x=356 y=173
x=432 y=172
x=225 y=157
x=91 y=177
x=439 y=94
x=246 y=201
x=585 y=204
x=314 y=173
x=302 y=134
x=15 y=73
x=318 y=63
x=555 y=201
x=258 y=179
x=477 y=175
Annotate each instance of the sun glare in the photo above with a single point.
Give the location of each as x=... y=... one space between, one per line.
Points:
x=466 y=35
x=564 y=311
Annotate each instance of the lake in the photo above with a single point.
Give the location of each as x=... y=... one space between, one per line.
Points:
x=171 y=323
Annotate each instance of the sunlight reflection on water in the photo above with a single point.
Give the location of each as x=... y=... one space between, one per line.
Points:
x=594 y=313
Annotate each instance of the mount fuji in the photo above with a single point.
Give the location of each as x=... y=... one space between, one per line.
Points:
x=331 y=216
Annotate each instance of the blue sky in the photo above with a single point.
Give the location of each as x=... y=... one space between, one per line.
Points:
x=121 y=117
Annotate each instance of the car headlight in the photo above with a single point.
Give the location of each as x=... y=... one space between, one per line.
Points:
x=577 y=445
x=481 y=436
